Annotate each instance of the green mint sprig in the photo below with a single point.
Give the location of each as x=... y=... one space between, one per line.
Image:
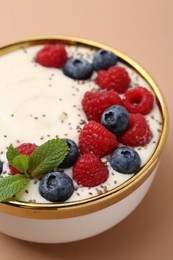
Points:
x=43 y=160
x=11 y=153
x=21 y=162
x=47 y=156
x=11 y=185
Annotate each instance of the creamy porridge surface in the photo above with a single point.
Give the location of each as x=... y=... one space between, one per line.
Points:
x=38 y=104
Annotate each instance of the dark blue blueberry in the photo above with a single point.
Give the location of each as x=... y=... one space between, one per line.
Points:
x=104 y=59
x=125 y=160
x=77 y=68
x=1 y=166
x=116 y=119
x=72 y=155
x=56 y=187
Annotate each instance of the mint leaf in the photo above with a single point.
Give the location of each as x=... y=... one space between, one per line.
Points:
x=12 y=153
x=11 y=185
x=47 y=156
x=21 y=162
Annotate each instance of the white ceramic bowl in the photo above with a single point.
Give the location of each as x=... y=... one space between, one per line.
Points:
x=58 y=223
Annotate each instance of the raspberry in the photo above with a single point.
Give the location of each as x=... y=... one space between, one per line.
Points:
x=90 y=171
x=115 y=78
x=54 y=56
x=97 y=139
x=138 y=132
x=95 y=103
x=25 y=148
x=138 y=100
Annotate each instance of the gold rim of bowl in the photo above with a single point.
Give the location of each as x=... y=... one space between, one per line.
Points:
x=90 y=205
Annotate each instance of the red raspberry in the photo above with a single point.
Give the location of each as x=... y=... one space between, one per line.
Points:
x=52 y=56
x=116 y=78
x=89 y=171
x=138 y=132
x=95 y=103
x=97 y=139
x=138 y=100
x=27 y=149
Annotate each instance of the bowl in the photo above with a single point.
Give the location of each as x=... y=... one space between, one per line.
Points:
x=76 y=220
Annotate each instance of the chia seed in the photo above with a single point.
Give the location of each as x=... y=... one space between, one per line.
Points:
x=24 y=50
x=104 y=188
x=32 y=201
x=82 y=122
x=98 y=191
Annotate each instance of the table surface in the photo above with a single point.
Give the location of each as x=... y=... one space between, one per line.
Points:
x=144 y=31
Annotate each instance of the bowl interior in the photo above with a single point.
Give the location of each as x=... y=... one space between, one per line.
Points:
x=67 y=209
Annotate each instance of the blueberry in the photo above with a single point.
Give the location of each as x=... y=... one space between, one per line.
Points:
x=72 y=155
x=116 y=119
x=56 y=187
x=77 y=68
x=125 y=160
x=1 y=166
x=104 y=59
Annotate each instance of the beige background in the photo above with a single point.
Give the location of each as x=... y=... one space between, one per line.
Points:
x=144 y=31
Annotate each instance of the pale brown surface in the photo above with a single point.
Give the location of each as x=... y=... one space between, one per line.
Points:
x=144 y=31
